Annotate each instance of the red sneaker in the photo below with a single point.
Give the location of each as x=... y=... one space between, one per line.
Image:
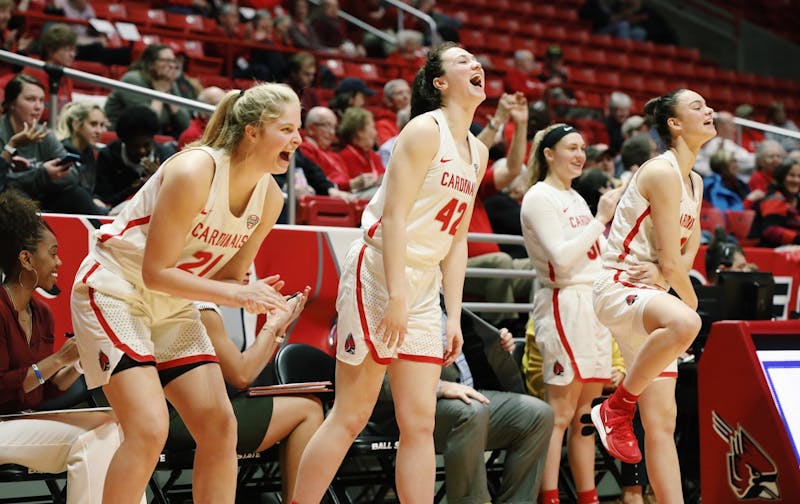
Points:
x=616 y=432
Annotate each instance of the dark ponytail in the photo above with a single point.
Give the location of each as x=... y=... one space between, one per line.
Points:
x=657 y=112
x=424 y=95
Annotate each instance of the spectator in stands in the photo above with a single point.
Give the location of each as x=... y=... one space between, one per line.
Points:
x=331 y=32
x=92 y=46
x=31 y=372
x=56 y=47
x=157 y=69
x=80 y=127
x=601 y=156
x=301 y=32
x=722 y=255
x=776 y=116
x=364 y=166
x=769 y=155
x=591 y=185
x=315 y=180
x=446 y=26
x=302 y=75
x=409 y=55
x=723 y=188
x=287 y=420
x=125 y=164
x=632 y=125
x=750 y=137
x=615 y=18
x=635 y=151
x=351 y=92
x=386 y=148
x=726 y=141
x=554 y=72
x=777 y=219
x=36 y=153
x=503 y=211
x=12 y=38
x=281 y=26
x=320 y=133
x=211 y=95
x=619 y=108
x=521 y=76
x=396 y=97
x=499 y=176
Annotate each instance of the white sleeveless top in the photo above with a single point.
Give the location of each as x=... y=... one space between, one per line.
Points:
x=562 y=237
x=215 y=236
x=632 y=238
x=440 y=206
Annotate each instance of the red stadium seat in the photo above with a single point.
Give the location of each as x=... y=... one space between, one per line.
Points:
x=740 y=222
x=494 y=88
x=325 y=211
x=710 y=218
x=365 y=71
x=336 y=66
x=111 y=11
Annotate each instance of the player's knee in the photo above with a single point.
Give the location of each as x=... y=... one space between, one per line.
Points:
x=353 y=420
x=686 y=327
x=660 y=420
x=148 y=432
x=217 y=427
x=563 y=416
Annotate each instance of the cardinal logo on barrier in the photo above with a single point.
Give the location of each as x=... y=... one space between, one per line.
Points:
x=751 y=472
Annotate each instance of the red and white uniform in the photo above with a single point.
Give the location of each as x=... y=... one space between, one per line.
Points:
x=115 y=314
x=564 y=241
x=620 y=303
x=436 y=214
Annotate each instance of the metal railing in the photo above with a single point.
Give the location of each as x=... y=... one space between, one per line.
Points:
x=403 y=7
x=386 y=37
x=483 y=307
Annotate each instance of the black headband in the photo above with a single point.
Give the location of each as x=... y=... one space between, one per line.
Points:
x=554 y=135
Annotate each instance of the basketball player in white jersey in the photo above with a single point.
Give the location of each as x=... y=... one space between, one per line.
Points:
x=190 y=233
x=414 y=243
x=656 y=221
x=564 y=242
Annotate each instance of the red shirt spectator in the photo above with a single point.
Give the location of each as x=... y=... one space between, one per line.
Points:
x=358 y=161
x=522 y=77
x=396 y=96
x=330 y=162
x=480 y=219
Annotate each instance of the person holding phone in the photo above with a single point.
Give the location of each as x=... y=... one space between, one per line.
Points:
x=125 y=164
x=80 y=129
x=34 y=153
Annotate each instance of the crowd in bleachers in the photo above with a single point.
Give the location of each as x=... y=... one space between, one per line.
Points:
x=599 y=61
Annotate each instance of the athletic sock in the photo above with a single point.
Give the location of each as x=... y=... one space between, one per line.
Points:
x=549 y=497
x=588 y=497
x=623 y=400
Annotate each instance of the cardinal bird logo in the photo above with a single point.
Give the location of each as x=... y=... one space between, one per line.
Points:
x=252 y=221
x=631 y=298
x=350 y=344
x=558 y=369
x=102 y=359
x=751 y=472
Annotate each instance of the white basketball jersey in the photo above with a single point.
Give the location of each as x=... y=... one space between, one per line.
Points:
x=573 y=217
x=215 y=236
x=440 y=206
x=632 y=238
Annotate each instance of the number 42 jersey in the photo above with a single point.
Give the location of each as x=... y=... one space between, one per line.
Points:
x=439 y=207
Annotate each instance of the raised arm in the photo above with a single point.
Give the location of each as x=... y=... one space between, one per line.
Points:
x=660 y=185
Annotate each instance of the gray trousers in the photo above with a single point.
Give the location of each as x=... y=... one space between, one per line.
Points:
x=518 y=423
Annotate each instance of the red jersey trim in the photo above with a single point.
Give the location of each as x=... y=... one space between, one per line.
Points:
x=563 y=337
x=668 y=374
x=421 y=358
x=132 y=224
x=626 y=245
x=373 y=229
x=362 y=314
